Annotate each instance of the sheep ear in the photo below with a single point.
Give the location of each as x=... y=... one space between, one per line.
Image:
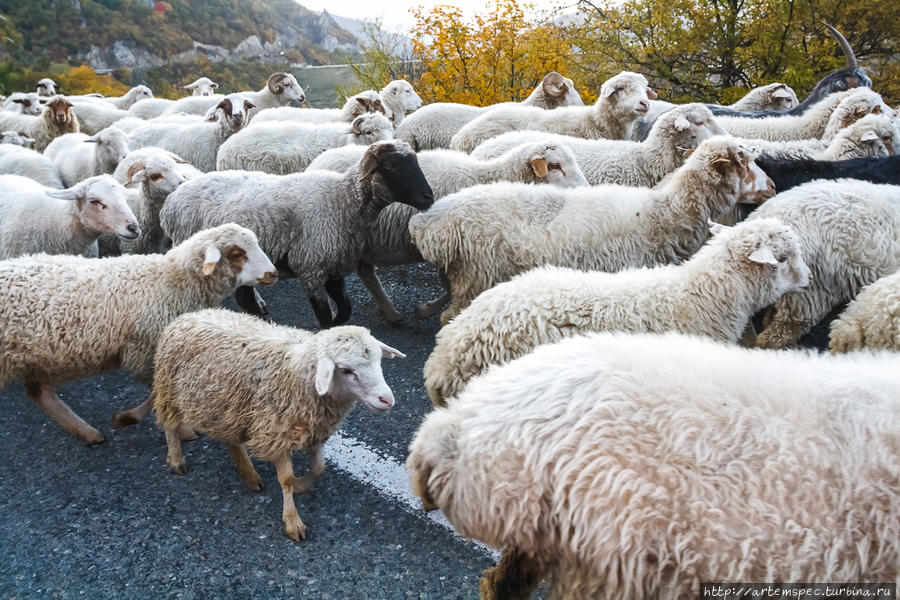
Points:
x=354 y=127
x=609 y=91
x=71 y=194
x=324 y=375
x=861 y=111
x=248 y=105
x=137 y=177
x=763 y=255
x=687 y=152
x=781 y=93
x=681 y=124
x=28 y=140
x=210 y=260
x=651 y=94
x=370 y=164
x=716 y=228
x=93 y=139
x=190 y=86
x=214 y=85
x=869 y=136
x=388 y=352
x=539 y=166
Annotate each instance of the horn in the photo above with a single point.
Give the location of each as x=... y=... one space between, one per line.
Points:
x=852 y=63
x=134 y=168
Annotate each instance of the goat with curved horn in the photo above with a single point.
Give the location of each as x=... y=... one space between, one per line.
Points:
x=852 y=63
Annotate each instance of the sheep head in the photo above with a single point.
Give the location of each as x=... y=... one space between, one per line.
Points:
x=102 y=206
x=286 y=84
x=231 y=250
x=394 y=165
x=628 y=93
x=234 y=108
x=60 y=110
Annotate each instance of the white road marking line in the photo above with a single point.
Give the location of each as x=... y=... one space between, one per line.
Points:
x=387 y=476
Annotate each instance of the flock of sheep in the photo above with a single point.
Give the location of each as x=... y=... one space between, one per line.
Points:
x=636 y=461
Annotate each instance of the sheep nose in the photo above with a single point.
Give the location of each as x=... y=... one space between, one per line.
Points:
x=134 y=228
x=386 y=401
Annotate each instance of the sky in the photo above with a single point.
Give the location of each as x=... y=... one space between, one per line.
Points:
x=394 y=14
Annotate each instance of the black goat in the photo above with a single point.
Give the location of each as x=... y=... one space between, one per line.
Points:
x=787 y=173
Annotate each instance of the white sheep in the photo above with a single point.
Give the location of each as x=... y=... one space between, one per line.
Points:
x=153 y=107
x=128 y=99
x=56 y=119
x=400 y=98
x=313 y=223
x=25 y=103
x=202 y=86
x=740 y=271
x=625 y=162
x=280 y=89
x=287 y=147
x=816 y=122
x=367 y=101
x=484 y=235
x=17 y=160
x=47 y=87
x=197 y=143
x=35 y=218
x=156 y=176
x=640 y=466
x=433 y=126
x=623 y=98
x=274 y=390
x=849 y=234
x=774 y=96
x=872 y=136
x=871 y=321
x=388 y=241
x=15 y=138
x=68 y=317
x=182 y=167
x=80 y=156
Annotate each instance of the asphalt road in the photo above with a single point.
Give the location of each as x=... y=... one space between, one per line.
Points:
x=111 y=521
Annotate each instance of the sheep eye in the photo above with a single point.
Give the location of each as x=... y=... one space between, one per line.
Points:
x=155 y=177
x=554 y=166
x=782 y=258
x=98 y=203
x=346 y=371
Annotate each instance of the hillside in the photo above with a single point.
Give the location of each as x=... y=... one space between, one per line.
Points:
x=147 y=40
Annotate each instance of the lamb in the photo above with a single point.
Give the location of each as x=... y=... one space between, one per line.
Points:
x=367 y=101
x=623 y=98
x=400 y=98
x=80 y=156
x=203 y=86
x=15 y=138
x=849 y=233
x=774 y=96
x=25 y=103
x=639 y=466
x=156 y=176
x=56 y=119
x=432 y=126
x=280 y=89
x=483 y=235
x=47 y=301
x=275 y=390
x=388 y=241
x=197 y=143
x=47 y=87
x=817 y=122
x=16 y=160
x=621 y=161
x=313 y=224
x=874 y=136
x=282 y=148
x=788 y=173
x=36 y=218
x=740 y=271
x=871 y=321
x=182 y=167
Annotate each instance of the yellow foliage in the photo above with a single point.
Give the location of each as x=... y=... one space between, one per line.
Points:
x=84 y=80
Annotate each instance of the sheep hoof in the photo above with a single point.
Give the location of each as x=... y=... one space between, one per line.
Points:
x=295 y=530
x=187 y=434
x=254 y=484
x=391 y=315
x=92 y=436
x=122 y=419
x=179 y=468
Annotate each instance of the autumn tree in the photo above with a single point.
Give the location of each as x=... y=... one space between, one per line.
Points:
x=386 y=56
x=715 y=50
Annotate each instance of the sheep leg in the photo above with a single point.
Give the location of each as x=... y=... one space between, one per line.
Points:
x=316 y=468
x=133 y=416
x=174 y=458
x=251 y=302
x=45 y=397
x=319 y=301
x=367 y=275
x=513 y=578
x=426 y=309
x=245 y=467
x=338 y=292
x=748 y=337
x=293 y=526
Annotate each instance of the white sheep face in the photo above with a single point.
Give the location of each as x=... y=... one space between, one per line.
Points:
x=782 y=251
x=112 y=147
x=233 y=109
x=629 y=93
x=160 y=174
x=47 y=87
x=293 y=90
x=691 y=125
x=369 y=128
x=203 y=86
x=27 y=104
x=782 y=98
x=15 y=138
x=404 y=95
x=142 y=92
x=102 y=206
x=553 y=163
x=349 y=367
x=756 y=186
